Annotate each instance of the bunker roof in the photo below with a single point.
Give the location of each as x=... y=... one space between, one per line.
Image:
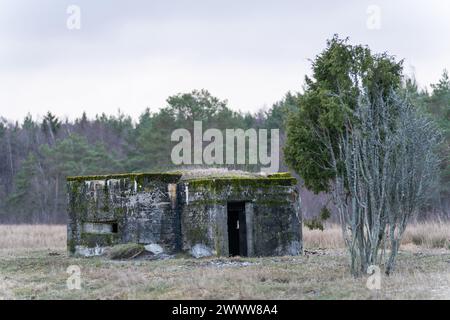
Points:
x=199 y=176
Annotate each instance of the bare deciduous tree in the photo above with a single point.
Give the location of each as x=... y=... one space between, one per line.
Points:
x=385 y=166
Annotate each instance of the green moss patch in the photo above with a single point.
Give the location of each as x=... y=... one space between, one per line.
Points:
x=71 y=245
x=238 y=182
x=169 y=177
x=281 y=178
x=197 y=233
x=91 y=240
x=126 y=251
x=280 y=175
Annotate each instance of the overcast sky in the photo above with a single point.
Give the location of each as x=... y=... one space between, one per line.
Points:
x=134 y=54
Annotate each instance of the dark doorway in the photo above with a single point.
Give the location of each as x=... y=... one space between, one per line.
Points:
x=237 y=229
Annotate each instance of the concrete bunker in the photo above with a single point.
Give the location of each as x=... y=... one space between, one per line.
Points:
x=231 y=213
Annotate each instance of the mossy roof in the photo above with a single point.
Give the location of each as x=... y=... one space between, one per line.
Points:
x=199 y=176
x=155 y=175
x=221 y=177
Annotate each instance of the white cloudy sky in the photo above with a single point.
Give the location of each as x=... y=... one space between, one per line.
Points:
x=134 y=54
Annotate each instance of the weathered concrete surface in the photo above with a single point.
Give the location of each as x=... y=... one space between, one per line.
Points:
x=178 y=212
x=271 y=219
x=135 y=208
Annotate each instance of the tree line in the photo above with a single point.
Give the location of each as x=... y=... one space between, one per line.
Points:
x=37 y=155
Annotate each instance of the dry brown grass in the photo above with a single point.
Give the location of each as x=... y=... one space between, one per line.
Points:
x=28 y=271
x=33 y=237
x=330 y=237
x=38 y=275
x=428 y=235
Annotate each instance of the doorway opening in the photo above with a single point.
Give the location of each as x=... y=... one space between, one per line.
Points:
x=237 y=229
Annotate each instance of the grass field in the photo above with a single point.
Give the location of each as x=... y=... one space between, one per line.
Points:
x=33 y=265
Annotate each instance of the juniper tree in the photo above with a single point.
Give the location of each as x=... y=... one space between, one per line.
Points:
x=354 y=137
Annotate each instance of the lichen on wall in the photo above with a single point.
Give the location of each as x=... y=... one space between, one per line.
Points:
x=275 y=226
x=180 y=211
x=139 y=206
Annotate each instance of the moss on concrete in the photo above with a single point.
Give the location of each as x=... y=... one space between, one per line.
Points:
x=272 y=202
x=282 y=178
x=91 y=240
x=126 y=251
x=209 y=202
x=239 y=183
x=280 y=175
x=113 y=197
x=71 y=245
x=168 y=177
x=197 y=234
